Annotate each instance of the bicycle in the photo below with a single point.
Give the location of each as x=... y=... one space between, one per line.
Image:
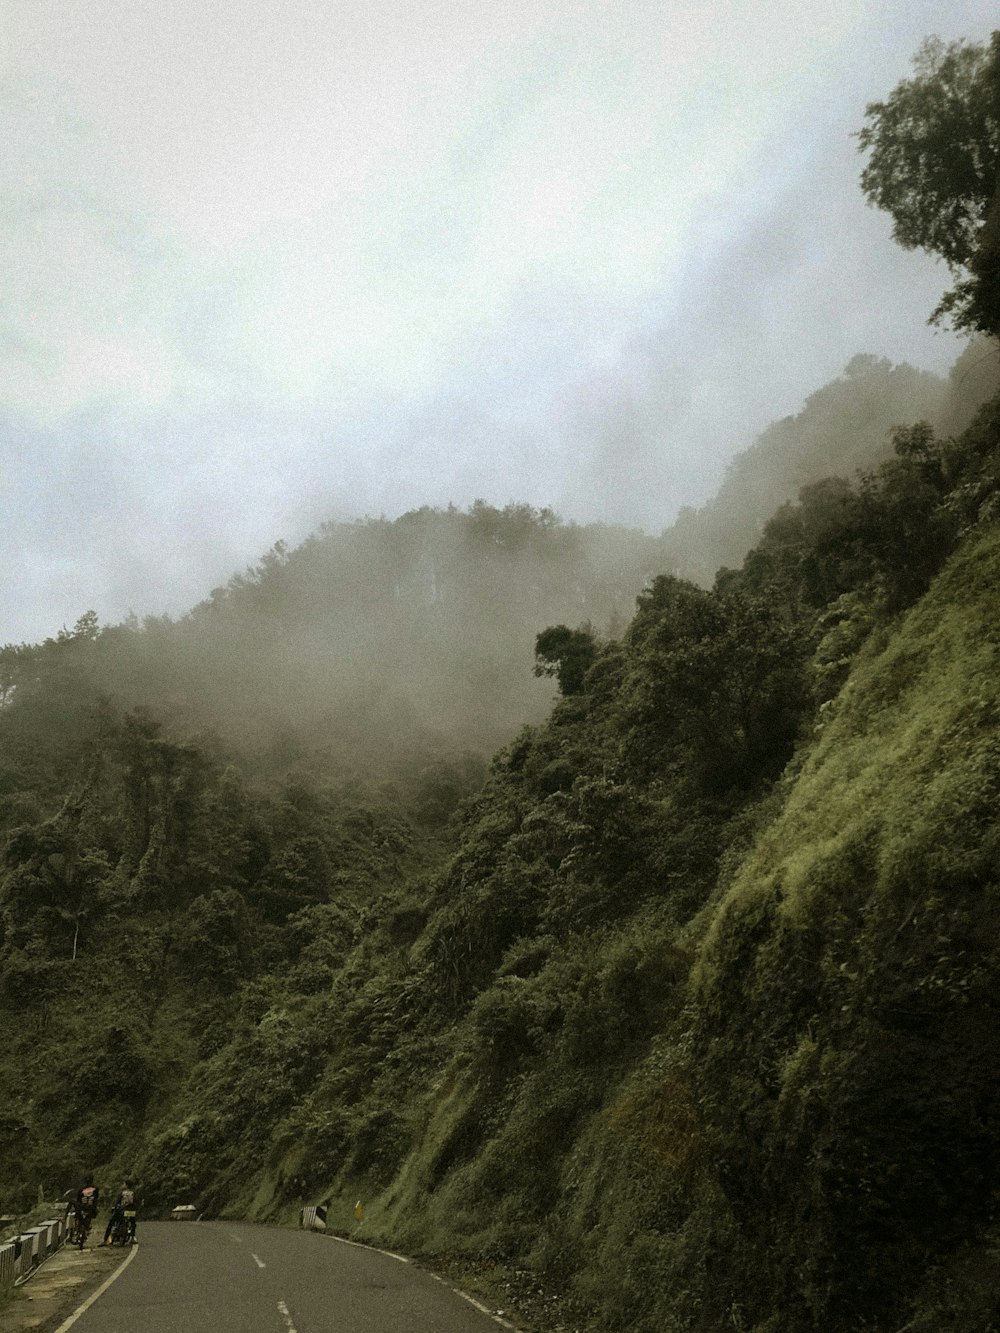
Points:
x=81 y=1228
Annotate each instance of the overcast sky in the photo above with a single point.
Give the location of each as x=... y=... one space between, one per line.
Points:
x=271 y=262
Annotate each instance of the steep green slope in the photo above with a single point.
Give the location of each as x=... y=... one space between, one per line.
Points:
x=845 y=1003
x=805 y=1133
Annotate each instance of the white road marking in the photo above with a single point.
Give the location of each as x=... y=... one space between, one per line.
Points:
x=372 y=1249
x=99 y=1292
x=237 y=1239
x=258 y=1260
x=472 y=1301
x=484 y=1309
x=286 y=1316
x=497 y=1319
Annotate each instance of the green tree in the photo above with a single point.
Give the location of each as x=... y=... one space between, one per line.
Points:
x=715 y=687
x=934 y=165
x=567 y=654
x=297 y=877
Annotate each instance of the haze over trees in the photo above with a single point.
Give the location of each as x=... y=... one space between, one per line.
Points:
x=844 y=427
x=683 y=1010
x=377 y=643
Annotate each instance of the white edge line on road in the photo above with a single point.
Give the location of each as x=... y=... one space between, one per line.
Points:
x=257 y=1260
x=484 y=1309
x=472 y=1300
x=99 y=1292
x=372 y=1248
x=437 y=1278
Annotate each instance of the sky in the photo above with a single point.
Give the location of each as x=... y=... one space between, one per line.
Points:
x=269 y=263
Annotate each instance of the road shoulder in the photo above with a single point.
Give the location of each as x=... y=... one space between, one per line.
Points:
x=58 y=1287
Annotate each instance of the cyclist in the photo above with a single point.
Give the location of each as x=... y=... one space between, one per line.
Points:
x=121 y=1223
x=88 y=1197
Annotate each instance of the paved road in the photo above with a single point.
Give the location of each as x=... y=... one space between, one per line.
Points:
x=220 y=1277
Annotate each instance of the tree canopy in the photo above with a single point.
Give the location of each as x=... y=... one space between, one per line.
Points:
x=567 y=654
x=934 y=166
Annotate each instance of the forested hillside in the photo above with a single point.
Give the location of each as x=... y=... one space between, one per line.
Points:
x=694 y=1013
x=680 y=1014
x=843 y=428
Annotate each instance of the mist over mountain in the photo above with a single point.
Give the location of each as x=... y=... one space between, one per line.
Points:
x=376 y=642
x=843 y=428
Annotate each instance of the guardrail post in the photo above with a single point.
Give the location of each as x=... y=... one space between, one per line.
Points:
x=8 y=1265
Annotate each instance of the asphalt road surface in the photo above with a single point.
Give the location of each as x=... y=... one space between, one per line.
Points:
x=221 y=1277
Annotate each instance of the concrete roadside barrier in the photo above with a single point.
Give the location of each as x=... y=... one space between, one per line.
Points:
x=33 y=1246
x=22 y=1253
x=30 y=1249
x=25 y=1245
x=8 y=1265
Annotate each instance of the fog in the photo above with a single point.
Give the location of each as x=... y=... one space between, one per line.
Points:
x=274 y=265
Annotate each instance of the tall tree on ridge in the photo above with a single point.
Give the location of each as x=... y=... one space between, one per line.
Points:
x=934 y=165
